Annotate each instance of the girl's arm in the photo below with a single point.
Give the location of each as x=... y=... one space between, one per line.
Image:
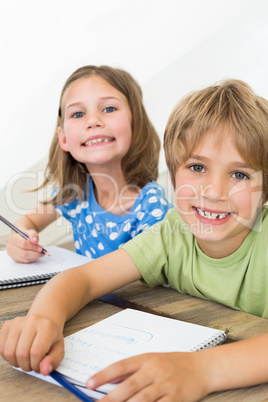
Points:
x=35 y=342
x=187 y=376
x=22 y=250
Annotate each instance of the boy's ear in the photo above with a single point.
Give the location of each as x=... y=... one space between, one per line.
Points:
x=62 y=139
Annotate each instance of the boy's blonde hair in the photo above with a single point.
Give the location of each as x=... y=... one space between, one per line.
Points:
x=140 y=164
x=230 y=105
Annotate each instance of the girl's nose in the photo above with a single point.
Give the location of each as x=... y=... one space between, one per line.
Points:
x=94 y=120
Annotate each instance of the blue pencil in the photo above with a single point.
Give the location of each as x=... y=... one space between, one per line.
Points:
x=72 y=388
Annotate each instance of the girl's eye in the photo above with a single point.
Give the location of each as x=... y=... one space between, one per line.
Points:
x=239 y=176
x=78 y=115
x=197 y=168
x=109 y=109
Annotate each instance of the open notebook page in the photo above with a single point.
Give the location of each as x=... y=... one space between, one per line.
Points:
x=128 y=333
x=59 y=260
x=124 y=334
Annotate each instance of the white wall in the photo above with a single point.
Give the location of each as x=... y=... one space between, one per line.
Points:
x=171 y=47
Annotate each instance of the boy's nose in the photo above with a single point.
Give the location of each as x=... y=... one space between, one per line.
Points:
x=214 y=189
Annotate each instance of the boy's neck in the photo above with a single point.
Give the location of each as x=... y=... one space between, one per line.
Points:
x=216 y=249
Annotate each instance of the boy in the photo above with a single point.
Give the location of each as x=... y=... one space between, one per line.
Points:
x=213 y=246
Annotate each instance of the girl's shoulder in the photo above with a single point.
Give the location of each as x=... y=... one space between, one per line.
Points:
x=153 y=193
x=151 y=201
x=154 y=189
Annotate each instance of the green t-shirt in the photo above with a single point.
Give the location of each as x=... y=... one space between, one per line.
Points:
x=168 y=253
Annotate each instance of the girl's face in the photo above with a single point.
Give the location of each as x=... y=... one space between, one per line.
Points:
x=97 y=124
x=218 y=195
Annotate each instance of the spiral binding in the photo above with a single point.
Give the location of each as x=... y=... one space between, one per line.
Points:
x=26 y=281
x=215 y=340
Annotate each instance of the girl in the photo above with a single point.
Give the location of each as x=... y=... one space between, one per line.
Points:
x=103 y=161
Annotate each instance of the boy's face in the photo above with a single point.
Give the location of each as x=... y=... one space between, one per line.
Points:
x=218 y=194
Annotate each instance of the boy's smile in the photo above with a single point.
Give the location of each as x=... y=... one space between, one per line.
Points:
x=210 y=217
x=218 y=194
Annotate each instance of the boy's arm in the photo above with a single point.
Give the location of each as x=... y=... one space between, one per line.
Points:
x=238 y=364
x=187 y=376
x=21 y=250
x=69 y=291
x=35 y=342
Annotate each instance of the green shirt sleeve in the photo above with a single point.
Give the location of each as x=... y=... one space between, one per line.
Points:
x=149 y=251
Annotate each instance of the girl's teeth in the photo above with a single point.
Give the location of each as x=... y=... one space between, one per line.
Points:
x=97 y=141
x=210 y=215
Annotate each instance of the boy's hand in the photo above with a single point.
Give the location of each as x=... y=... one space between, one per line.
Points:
x=22 y=250
x=154 y=377
x=32 y=343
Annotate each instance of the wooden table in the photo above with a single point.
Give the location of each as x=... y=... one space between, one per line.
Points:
x=16 y=386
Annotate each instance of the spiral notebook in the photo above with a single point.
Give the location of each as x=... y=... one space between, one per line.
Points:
x=127 y=333
x=13 y=274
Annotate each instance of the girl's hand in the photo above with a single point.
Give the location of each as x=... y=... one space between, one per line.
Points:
x=22 y=250
x=155 y=377
x=32 y=343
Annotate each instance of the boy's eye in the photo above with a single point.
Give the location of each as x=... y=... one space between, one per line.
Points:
x=78 y=115
x=197 y=168
x=239 y=176
x=109 y=109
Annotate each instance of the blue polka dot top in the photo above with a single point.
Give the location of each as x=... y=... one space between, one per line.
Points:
x=97 y=232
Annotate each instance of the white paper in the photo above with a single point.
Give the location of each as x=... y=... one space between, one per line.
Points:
x=59 y=260
x=128 y=333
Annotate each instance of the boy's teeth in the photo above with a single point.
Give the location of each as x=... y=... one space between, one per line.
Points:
x=210 y=215
x=97 y=141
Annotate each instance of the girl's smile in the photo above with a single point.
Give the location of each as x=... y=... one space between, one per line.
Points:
x=96 y=140
x=218 y=194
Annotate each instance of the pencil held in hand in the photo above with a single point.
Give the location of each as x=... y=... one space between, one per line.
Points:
x=20 y=232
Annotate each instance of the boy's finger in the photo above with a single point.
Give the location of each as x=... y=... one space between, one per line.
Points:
x=52 y=360
x=8 y=342
x=131 y=371
x=48 y=341
x=115 y=372
x=24 y=345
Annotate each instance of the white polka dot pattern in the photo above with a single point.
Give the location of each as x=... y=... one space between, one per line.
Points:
x=97 y=232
